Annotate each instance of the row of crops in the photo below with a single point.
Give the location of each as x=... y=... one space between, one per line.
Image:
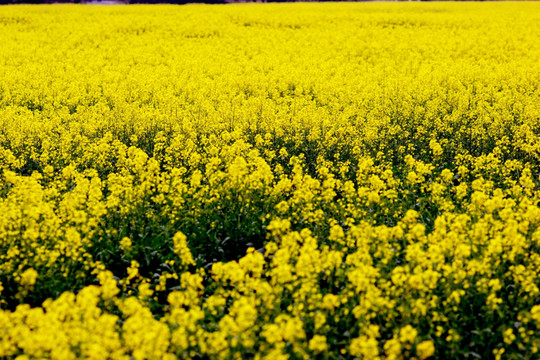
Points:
x=277 y=181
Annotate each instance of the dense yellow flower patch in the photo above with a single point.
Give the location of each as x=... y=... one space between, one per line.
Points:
x=285 y=181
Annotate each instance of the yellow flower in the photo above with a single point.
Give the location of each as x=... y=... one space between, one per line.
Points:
x=318 y=343
x=407 y=334
x=109 y=286
x=365 y=347
x=29 y=277
x=509 y=336
x=181 y=249
x=425 y=349
x=126 y=243
x=435 y=148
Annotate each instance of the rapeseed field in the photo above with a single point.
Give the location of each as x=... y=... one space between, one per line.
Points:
x=256 y=181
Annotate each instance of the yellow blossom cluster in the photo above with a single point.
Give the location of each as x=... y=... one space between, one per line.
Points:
x=270 y=181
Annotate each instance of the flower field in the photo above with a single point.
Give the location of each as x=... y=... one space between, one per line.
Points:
x=270 y=181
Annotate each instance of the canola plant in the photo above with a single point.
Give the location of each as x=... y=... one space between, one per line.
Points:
x=286 y=181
